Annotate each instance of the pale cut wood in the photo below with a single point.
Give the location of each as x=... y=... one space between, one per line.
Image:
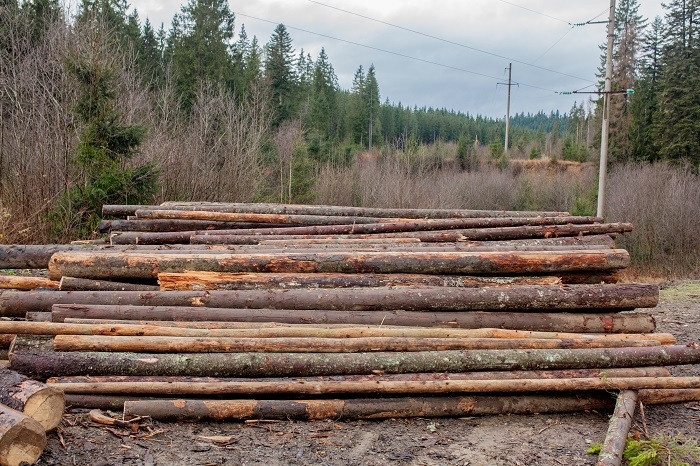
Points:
x=35 y=399
x=22 y=439
x=21 y=282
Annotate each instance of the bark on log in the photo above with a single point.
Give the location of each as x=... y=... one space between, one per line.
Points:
x=5 y=340
x=44 y=364
x=620 y=423
x=306 y=331
x=160 y=225
x=438 y=236
x=170 y=344
x=20 y=282
x=403 y=225
x=115 y=265
x=390 y=387
x=517 y=299
x=22 y=439
x=123 y=210
x=87 y=284
x=251 y=281
x=35 y=399
x=248 y=217
x=637 y=322
x=118 y=384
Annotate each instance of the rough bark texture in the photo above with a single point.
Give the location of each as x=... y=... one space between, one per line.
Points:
x=35 y=399
x=160 y=225
x=638 y=322
x=22 y=439
x=87 y=284
x=171 y=344
x=50 y=364
x=115 y=265
x=620 y=423
x=395 y=387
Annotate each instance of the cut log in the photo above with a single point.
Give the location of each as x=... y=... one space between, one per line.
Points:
x=117 y=384
x=637 y=322
x=22 y=439
x=5 y=339
x=386 y=387
x=20 y=282
x=169 y=344
x=398 y=225
x=306 y=331
x=287 y=219
x=251 y=281
x=115 y=265
x=299 y=209
x=516 y=298
x=87 y=284
x=106 y=226
x=38 y=401
x=50 y=364
x=620 y=423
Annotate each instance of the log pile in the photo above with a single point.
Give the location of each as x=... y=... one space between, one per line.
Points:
x=239 y=311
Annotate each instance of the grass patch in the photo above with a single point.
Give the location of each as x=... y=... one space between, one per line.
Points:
x=685 y=291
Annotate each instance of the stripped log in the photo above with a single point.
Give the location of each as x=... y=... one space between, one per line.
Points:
x=398 y=225
x=160 y=225
x=117 y=384
x=35 y=399
x=39 y=363
x=306 y=331
x=637 y=322
x=517 y=299
x=170 y=344
x=115 y=265
x=619 y=427
x=87 y=284
x=249 y=217
x=22 y=439
x=653 y=397
x=390 y=387
x=252 y=281
x=21 y=282
x=302 y=209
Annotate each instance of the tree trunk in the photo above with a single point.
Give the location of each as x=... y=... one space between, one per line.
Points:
x=19 y=282
x=306 y=331
x=637 y=322
x=170 y=344
x=115 y=265
x=5 y=340
x=22 y=439
x=36 y=400
x=50 y=364
x=86 y=284
x=517 y=298
x=278 y=219
x=620 y=423
x=161 y=225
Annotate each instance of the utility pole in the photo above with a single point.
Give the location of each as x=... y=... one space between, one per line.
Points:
x=509 y=84
x=606 y=114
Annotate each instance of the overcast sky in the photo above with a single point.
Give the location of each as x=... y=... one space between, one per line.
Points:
x=501 y=27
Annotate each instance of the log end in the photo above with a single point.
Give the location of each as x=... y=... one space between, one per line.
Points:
x=21 y=442
x=46 y=406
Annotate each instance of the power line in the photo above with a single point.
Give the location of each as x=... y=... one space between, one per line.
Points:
x=536 y=12
x=442 y=39
x=391 y=52
x=555 y=43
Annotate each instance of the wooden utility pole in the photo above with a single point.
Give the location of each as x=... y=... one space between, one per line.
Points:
x=606 y=113
x=509 y=84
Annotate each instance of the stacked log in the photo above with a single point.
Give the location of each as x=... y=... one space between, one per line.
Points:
x=288 y=311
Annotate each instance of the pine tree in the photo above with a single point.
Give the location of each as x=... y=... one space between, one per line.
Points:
x=323 y=101
x=678 y=119
x=150 y=55
x=358 y=108
x=372 y=94
x=279 y=72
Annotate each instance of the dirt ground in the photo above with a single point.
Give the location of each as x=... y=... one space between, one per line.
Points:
x=518 y=440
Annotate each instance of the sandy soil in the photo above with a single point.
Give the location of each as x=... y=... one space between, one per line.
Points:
x=518 y=440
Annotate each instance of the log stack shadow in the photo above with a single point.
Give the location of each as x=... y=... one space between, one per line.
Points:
x=244 y=311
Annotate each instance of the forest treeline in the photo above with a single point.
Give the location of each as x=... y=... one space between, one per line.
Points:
x=104 y=107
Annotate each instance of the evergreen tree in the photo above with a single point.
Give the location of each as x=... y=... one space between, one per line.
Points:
x=150 y=54
x=279 y=72
x=358 y=109
x=372 y=94
x=41 y=13
x=323 y=101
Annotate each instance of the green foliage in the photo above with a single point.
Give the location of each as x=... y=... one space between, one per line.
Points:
x=594 y=448
x=574 y=152
x=302 y=176
x=585 y=201
x=466 y=155
x=279 y=72
x=675 y=451
x=535 y=153
x=496 y=150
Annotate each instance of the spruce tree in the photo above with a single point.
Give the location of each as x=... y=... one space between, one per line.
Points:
x=280 y=74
